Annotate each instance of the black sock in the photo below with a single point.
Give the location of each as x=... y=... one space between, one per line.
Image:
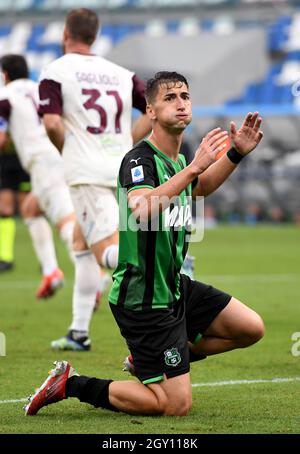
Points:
x=194 y=357
x=93 y=391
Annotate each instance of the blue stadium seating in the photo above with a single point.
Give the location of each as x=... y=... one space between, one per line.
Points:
x=278 y=33
x=272 y=90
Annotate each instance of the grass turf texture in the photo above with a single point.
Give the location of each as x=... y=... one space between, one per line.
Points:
x=260 y=266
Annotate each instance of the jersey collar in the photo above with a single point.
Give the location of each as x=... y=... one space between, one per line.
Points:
x=160 y=153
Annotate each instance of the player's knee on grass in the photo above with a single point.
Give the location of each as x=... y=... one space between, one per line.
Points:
x=173 y=404
x=179 y=404
x=180 y=407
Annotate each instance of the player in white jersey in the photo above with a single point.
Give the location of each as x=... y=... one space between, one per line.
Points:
x=86 y=103
x=19 y=115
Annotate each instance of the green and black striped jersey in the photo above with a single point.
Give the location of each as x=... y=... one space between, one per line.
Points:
x=150 y=255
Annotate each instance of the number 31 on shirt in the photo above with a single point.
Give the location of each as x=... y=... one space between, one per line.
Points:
x=91 y=103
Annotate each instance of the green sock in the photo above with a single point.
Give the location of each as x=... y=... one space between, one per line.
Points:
x=7 y=238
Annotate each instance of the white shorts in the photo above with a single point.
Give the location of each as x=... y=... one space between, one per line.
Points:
x=51 y=190
x=96 y=210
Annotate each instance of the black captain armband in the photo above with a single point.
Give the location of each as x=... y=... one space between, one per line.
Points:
x=234 y=156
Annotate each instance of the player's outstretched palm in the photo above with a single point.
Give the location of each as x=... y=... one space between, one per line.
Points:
x=249 y=135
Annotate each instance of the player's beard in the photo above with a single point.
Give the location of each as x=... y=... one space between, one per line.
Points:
x=176 y=130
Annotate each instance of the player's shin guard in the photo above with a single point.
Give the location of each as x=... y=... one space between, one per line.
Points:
x=42 y=240
x=110 y=257
x=94 y=391
x=85 y=288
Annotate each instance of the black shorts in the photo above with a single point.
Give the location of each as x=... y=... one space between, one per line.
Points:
x=12 y=174
x=158 y=339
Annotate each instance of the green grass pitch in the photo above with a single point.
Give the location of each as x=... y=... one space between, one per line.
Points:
x=258 y=265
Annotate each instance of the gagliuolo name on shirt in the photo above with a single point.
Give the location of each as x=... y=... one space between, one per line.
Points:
x=100 y=79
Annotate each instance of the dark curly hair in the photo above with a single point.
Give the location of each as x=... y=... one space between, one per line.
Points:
x=160 y=78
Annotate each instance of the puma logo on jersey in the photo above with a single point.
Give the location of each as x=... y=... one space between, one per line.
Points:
x=135 y=160
x=45 y=102
x=178 y=216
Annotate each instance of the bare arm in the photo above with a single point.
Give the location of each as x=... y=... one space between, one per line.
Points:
x=141 y=128
x=55 y=130
x=214 y=177
x=244 y=141
x=146 y=203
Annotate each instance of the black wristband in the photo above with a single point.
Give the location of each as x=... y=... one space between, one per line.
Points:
x=234 y=155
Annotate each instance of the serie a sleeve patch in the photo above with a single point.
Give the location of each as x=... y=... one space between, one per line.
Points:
x=137 y=174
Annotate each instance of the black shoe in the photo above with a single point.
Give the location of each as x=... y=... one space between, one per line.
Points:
x=6 y=266
x=72 y=341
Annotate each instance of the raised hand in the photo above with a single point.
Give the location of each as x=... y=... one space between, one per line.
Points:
x=249 y=135
x=211 y=145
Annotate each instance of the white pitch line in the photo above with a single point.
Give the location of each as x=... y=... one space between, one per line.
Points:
x=198 y=385
x=246 y=382
x=13 y=401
